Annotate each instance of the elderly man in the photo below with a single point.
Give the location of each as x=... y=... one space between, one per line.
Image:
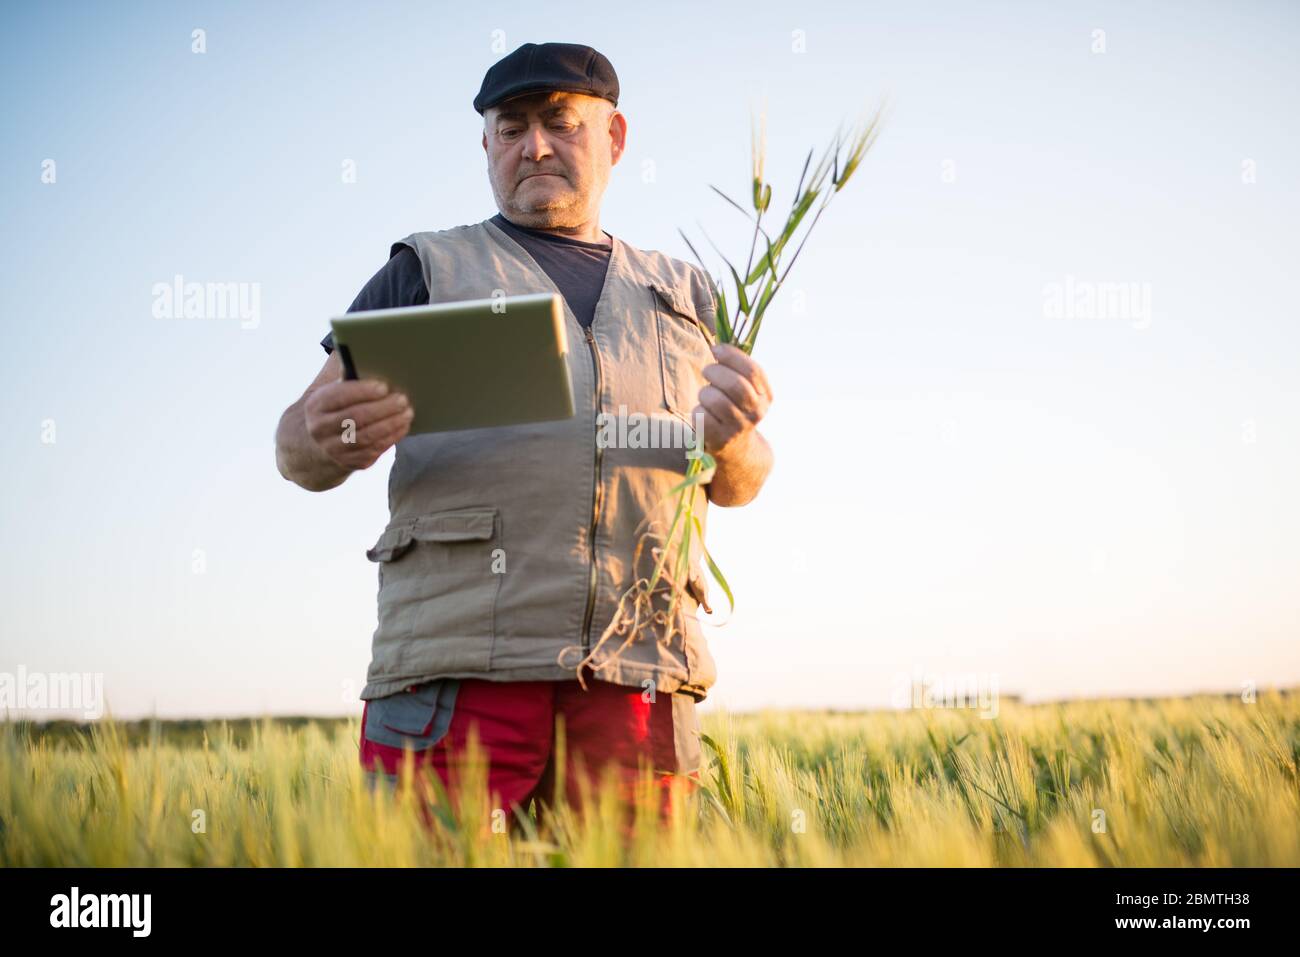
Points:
x=507 y=548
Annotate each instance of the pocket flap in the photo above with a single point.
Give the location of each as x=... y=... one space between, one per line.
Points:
x=696 y=586
x=682 y=305
x=392 y=544
x=419 y=716
x=463 y=525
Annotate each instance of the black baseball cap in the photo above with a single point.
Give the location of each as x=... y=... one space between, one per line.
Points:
x=535 y=67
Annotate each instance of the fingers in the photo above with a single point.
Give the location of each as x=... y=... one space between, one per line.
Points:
x=738 y=390
x=718 y=405
x=715 y=433
x=738 y=393
x=347 y=392
x=354 y=427
x=736 y=398
x=369 y=413
x=743 y=364
x=385 y=429
x=371 y=442
x=326 y=418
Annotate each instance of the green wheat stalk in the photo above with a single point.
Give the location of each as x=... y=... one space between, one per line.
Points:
x=739 y=318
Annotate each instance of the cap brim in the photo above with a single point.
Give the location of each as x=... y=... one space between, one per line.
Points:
x=515 y=94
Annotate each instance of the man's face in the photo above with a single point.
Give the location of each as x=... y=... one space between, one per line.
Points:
x=549 y=156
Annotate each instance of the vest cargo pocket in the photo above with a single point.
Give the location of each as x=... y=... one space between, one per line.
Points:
x=437 y=591
x=394 y=604
x=684 y=349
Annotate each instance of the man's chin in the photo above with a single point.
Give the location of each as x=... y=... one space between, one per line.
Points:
x=546 y=196
x=543 y=205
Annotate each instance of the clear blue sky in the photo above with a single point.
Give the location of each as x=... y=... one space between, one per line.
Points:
x=964 y=483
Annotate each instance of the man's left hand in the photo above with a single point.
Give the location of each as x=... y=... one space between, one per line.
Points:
x=735 y=400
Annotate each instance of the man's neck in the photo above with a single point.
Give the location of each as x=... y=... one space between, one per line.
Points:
x=589 y=232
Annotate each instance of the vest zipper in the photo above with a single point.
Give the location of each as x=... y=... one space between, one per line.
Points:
x=595 y=502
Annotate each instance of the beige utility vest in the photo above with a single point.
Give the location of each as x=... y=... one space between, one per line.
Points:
x=507 y=548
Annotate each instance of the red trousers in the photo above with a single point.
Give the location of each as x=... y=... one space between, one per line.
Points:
x=606 y=726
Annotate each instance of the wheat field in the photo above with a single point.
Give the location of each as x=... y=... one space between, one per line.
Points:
x=1196 y=781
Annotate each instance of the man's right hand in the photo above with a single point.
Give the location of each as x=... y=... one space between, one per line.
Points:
x=355 y=421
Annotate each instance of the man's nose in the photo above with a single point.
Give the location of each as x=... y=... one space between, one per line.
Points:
x=536 y=145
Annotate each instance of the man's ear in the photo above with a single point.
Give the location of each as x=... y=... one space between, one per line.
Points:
x=617 y=136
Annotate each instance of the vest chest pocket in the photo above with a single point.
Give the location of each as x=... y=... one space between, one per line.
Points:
x=684 y=349
x=438 y=580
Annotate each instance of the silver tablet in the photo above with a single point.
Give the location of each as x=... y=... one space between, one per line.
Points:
x=465 y=365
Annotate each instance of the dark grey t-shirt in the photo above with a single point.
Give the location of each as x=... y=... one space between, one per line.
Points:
x=577 y=268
